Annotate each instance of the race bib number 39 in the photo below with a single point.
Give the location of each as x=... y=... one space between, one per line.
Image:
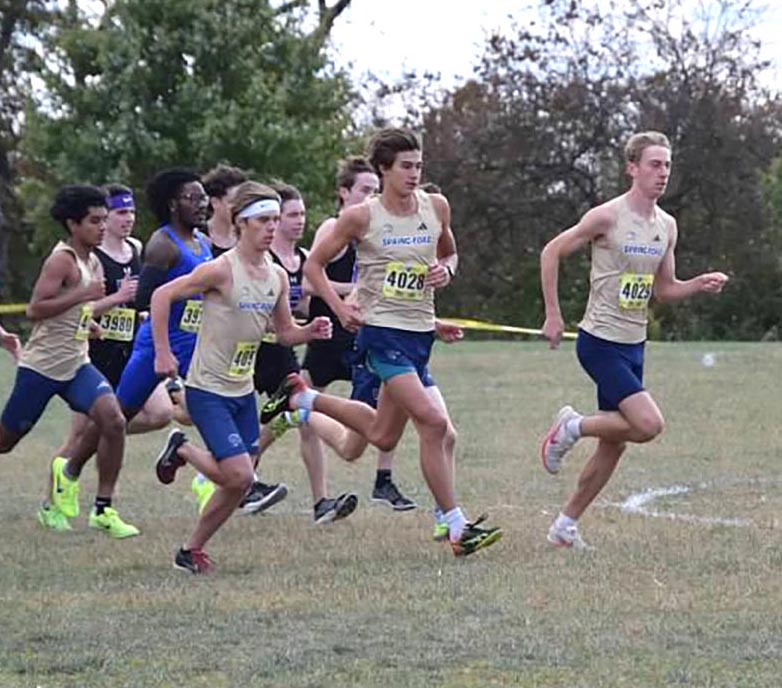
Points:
x=243 y=360
x=404 y=281
x=635 y=290
x=117 y=324
x=83 y=328
x=191 y=316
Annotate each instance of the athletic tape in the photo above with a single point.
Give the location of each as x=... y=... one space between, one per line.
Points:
x=493 y=327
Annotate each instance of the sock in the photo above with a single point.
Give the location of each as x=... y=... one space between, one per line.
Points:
x=382 y=477
x=456 y=522
x=439 y=515
x=201 y=478
x=101 y=504
x=573 y=427
x=305 y=399
x=563 y=521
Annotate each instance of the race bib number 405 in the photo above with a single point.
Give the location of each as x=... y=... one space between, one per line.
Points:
x=243 y=360
x=635 y=290
x=117 y=324
x=191 y=316
x=83 y=328
x=404 y=281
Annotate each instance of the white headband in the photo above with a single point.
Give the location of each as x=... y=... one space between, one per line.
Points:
x=265 y=205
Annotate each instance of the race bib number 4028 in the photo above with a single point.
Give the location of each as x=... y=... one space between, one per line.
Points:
x=405 y=281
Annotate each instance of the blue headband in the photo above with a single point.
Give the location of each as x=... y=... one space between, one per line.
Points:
x=122 y=201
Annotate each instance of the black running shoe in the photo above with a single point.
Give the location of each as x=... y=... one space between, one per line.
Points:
x=261 y=497
x=475 y=537
x=168 y=463
x=278 y=403
x=388 y=493
x=328 y=510
x=195 y=561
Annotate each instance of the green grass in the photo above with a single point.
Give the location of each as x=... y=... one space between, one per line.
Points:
x=372 y=602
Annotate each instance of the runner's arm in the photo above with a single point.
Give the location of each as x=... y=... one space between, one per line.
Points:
x=342 y=288
x=287 y=331
x=48 y=300
x=160 y=255
x=441 y=274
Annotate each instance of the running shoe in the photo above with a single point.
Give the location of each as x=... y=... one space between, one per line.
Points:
x=261 y=497
x=329 y=510
x=65 y=491
x=566 y=536
x=203 y=489
x=111 y=524
x=52 y=518
x=440 y=533
x=194 y=561
x=475 y=537
x=288 y=420
x=168 y=462
x=388 y=493
x=280 y=400
x=558 y=441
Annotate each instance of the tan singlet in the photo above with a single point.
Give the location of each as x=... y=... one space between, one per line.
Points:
x=393 y=260
x=58 y=346
x=624 y=262
x=231 y=331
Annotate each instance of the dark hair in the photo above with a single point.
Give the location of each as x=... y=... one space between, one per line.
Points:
x=221 y=178
x=430 y=188
x=73 y=202
x=166 y=185
x=286 y=192
x=386 y=143
x=116 y=190
x=349 y=169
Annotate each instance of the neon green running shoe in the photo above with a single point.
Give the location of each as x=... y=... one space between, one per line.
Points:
x=288 y=420
x=203 y=489
x=475 y=537
x=111 y=524
x=52 y=518
x=65 y=492
x=440 y=533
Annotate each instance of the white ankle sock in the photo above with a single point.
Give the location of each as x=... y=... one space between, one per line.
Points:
x=573 y=427
x=456 y=521
x=305 y=399
x=563 y=521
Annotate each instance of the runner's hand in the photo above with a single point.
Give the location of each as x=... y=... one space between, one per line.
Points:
x=350 y=316
x=95 y=330
x=95 y=290
x=437 y=276
x=447 y=332
x=127 y=289
x=320 y=328
x=553 y=329
x=166 y=364
x=12 y=344
x=712 y=282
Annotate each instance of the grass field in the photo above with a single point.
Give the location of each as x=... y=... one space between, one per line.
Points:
x=373 y=602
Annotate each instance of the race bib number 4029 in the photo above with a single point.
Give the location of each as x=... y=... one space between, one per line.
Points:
x=635 y=290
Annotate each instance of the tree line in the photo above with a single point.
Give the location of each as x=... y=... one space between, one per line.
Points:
x=522 y=149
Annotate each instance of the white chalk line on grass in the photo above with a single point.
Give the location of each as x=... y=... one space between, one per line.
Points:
x=638 y=504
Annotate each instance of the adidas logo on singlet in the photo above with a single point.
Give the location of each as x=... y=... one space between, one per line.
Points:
x=657 y=238
x=422 y=227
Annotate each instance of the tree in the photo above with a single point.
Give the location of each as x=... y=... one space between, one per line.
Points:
x=147 y=85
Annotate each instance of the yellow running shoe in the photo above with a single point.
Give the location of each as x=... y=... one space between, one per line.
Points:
x=203 y=489
x=52 y=518
x=440 y=533
x=65 y=492
x=111 y=524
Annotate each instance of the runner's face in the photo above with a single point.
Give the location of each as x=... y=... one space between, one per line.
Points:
x=257 y=232
x=120 y=222
x=92 y=227
x=192 y=205
x=404 y=175
x=650 y=174
x=365 y=185
x=292 y=220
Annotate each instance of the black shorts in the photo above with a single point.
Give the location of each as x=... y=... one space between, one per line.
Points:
x=328 y=361
x=272 y=365
x=110 y=358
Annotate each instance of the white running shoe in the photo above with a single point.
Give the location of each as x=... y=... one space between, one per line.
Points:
x=558 y=440
x=561 y=536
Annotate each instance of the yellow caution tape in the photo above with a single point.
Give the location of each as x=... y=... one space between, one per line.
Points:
x=493 y=327
x=12 y=308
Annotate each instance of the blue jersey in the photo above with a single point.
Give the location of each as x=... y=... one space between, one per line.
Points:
x=180 y=335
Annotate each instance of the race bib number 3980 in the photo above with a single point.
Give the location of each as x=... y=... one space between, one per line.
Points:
x=191 y=316
x=117 y=324
x=404 y=281
x=635 y=290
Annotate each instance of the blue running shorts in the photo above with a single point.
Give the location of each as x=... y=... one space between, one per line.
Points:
x=228 y=425
x=388 y=352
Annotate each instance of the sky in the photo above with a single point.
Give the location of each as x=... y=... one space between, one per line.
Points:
x=446 y=36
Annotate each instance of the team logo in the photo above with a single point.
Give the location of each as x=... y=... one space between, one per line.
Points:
x=657 y=238
x=422 y=227
x=234 y=439
x=387 y=228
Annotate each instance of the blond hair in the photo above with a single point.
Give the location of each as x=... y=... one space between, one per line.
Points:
x=638 y=143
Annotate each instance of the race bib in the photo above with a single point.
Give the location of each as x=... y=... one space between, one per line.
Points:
x=635 y=290
x=118 y=323
x=83 y=328
x=405 y=281
x=191 y=316
x=243 y=360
